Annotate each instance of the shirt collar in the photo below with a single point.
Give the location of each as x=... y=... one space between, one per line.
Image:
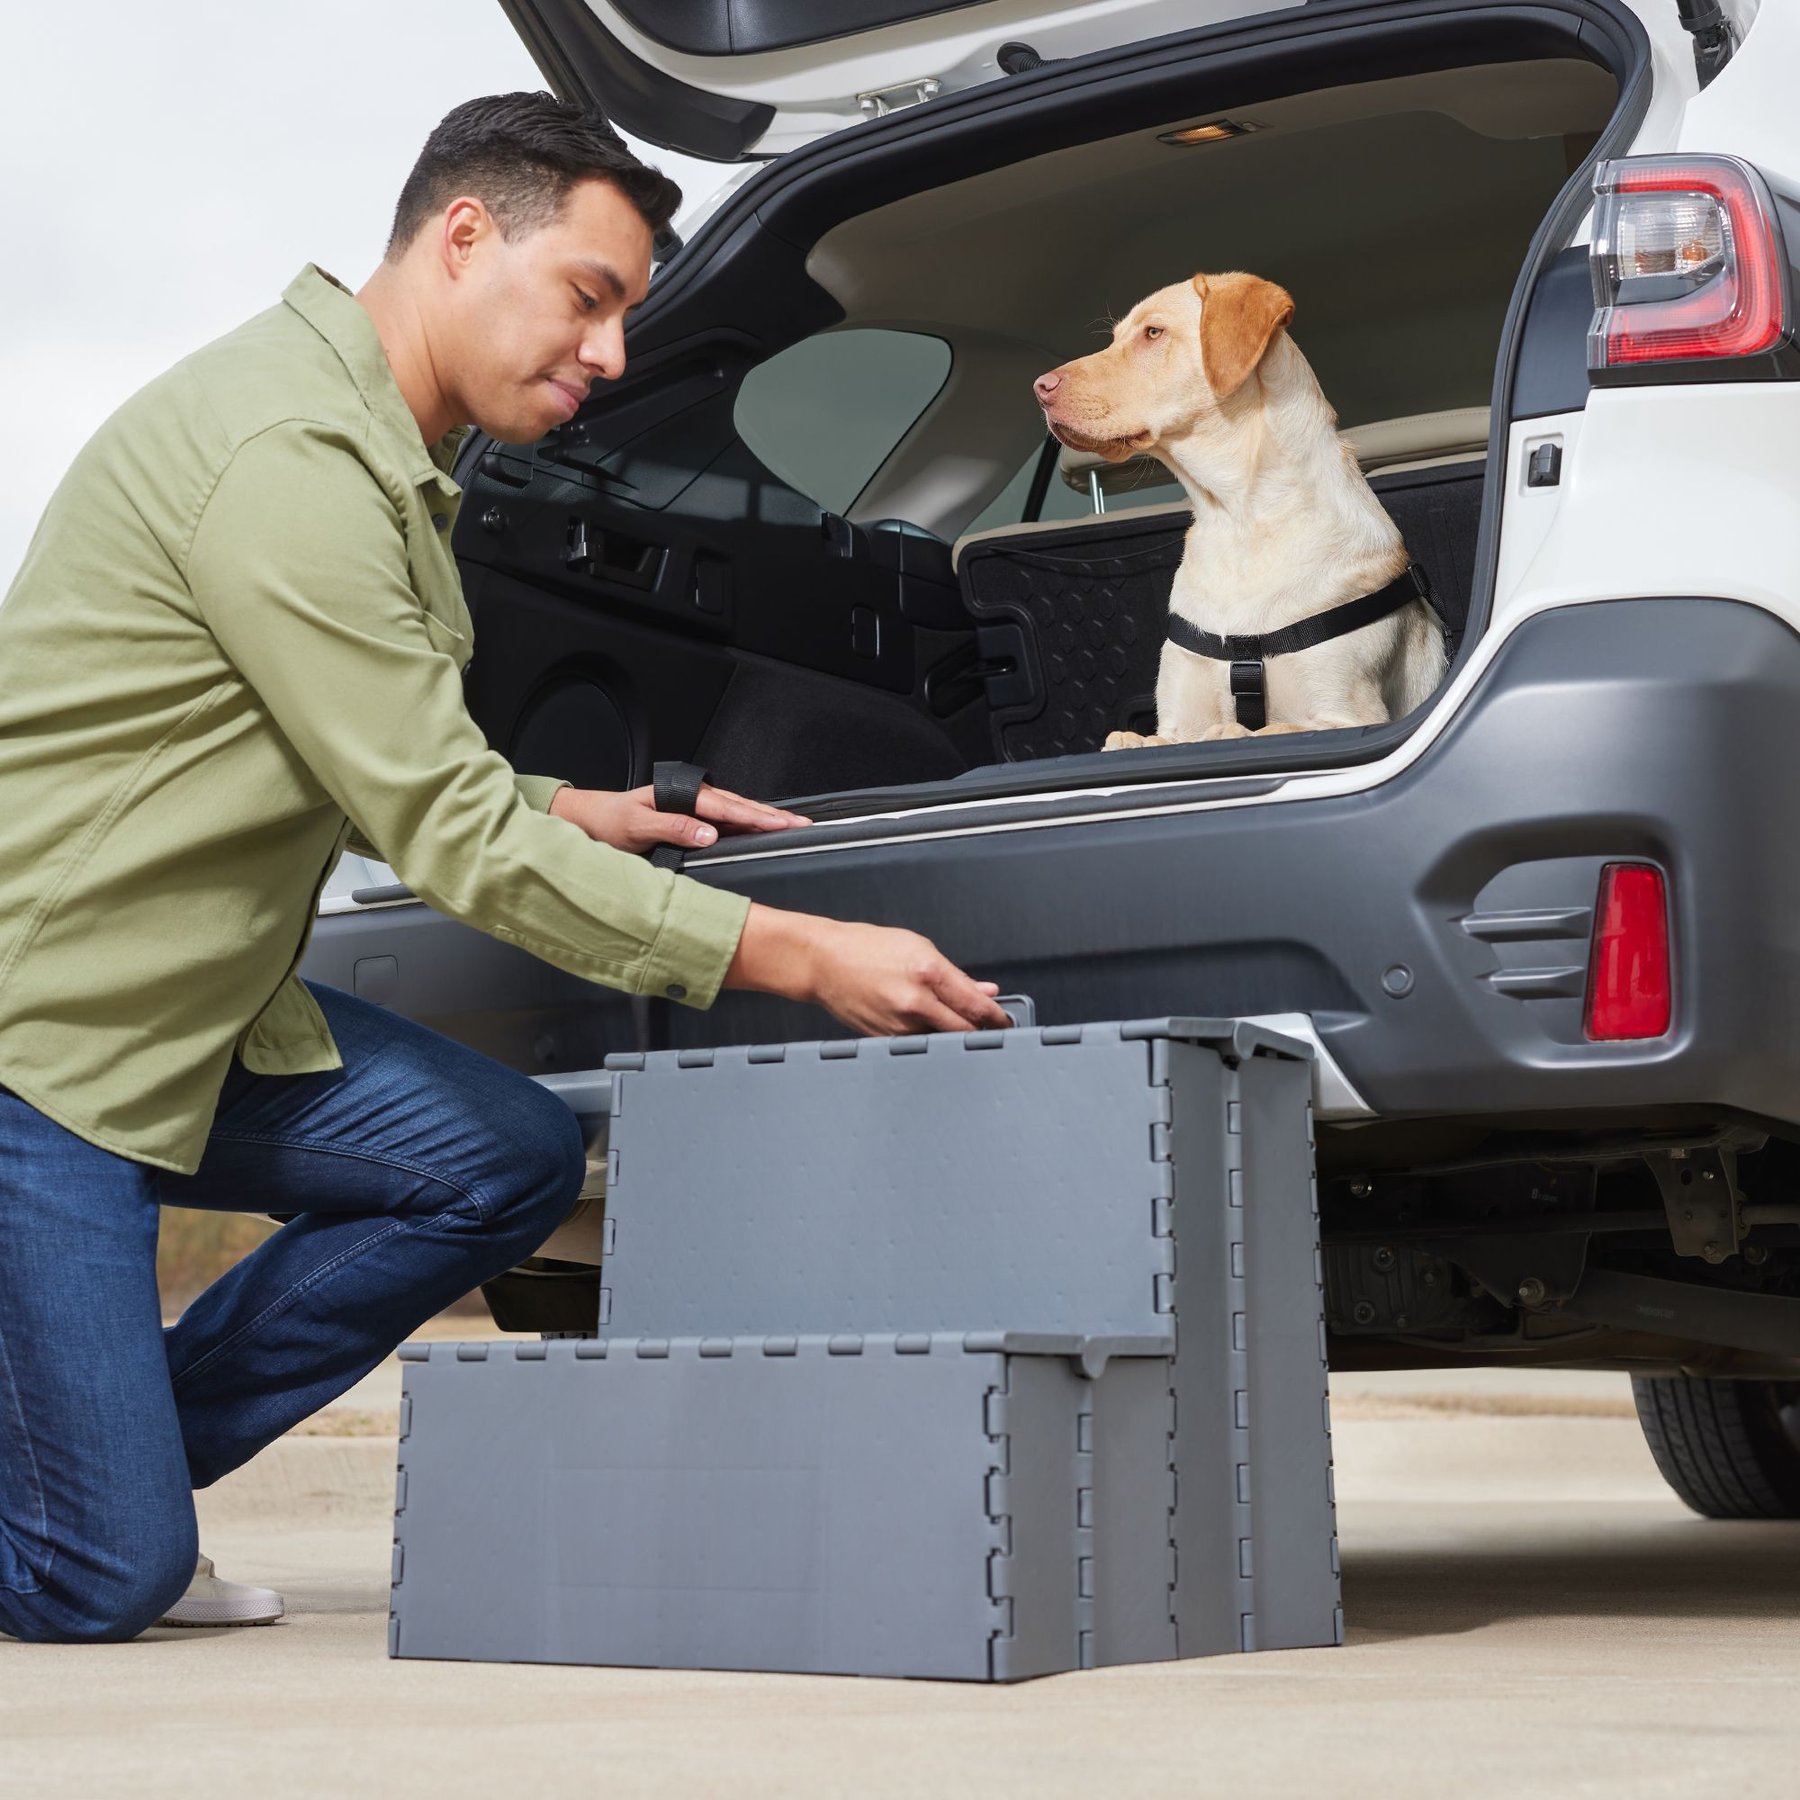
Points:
x=336 y=315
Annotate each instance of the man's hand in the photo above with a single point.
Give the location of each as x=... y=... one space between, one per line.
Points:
x=630 y=821
x=877 y=980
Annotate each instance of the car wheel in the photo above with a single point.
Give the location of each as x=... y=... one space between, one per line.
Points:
x=1730 y=1449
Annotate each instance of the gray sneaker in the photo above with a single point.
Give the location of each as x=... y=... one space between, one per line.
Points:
x=211 y=1601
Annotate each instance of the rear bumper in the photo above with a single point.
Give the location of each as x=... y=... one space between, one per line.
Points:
x=1436 y=928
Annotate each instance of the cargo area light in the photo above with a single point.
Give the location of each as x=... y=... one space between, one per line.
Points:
x=1214 y=131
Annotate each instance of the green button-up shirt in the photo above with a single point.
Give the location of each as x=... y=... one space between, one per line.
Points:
x=237 y=638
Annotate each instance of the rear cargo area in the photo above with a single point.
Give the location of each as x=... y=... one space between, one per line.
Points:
x=817 y=540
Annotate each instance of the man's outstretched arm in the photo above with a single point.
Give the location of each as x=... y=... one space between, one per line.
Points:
x=299 y=566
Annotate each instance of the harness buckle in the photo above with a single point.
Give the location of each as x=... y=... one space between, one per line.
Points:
x=1248 y=695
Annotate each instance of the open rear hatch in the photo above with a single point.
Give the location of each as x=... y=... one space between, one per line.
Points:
x=735 y=79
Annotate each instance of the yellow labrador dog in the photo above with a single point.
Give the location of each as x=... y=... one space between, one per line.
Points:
x=1286 y=534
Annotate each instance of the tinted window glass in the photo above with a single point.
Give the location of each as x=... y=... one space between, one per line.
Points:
x=1152 y=486
x=1064 y=502
x=825 y=413
x=1008 y=506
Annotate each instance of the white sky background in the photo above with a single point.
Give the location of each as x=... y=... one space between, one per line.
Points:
x=166 y=169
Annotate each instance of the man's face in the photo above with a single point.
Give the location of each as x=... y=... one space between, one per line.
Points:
x=534 y=319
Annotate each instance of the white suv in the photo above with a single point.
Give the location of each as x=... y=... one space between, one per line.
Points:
x=1545 y=932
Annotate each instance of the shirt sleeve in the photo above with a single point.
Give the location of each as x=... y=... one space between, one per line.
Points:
x=537 y=791
x=299 y=567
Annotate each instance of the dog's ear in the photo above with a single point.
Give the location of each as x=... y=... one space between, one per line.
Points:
x=1238 y=315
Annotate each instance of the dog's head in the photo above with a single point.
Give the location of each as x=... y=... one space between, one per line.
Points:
x=1177 y=356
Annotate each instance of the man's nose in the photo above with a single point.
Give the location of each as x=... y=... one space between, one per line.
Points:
x=1046 y=385
x=604 y=354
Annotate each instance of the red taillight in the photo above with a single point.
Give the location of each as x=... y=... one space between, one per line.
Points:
x=1628 y=971
x=1688 y=262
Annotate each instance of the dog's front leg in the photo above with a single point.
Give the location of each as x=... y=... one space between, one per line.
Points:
x=1191 y=698
x=1347 y=720
x=1325 y=697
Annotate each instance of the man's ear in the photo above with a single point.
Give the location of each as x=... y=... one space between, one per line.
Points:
x=1238 y=315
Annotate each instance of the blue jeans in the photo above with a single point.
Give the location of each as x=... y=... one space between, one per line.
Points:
x=417 y=1171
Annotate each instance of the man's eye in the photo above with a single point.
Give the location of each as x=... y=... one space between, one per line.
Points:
x=1153 y=331
x=588 y=302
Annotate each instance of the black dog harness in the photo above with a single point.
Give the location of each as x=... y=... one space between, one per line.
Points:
x=1248 y=652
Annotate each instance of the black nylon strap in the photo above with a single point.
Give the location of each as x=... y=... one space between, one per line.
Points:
x=1247 y=695
x=1321 y=628
x=675 y=787
x=1248 y=651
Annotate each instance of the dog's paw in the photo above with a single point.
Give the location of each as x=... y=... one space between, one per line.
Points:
x=1131 y=740
x=1231 y=729
x=1277 y=730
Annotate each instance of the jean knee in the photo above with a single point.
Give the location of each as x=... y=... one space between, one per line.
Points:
x=145 y=1597
x=114 y=1603
x=546 y=1162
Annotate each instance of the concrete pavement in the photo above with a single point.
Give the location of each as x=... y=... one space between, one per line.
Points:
x=1530 y=1612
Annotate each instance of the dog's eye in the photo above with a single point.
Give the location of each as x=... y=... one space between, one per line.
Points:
x=1152 y=332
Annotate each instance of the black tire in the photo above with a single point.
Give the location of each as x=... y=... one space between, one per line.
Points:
x=1730 y=1449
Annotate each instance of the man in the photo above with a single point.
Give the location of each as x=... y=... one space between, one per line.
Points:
x=234 y=645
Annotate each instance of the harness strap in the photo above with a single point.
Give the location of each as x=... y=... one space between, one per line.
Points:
x=1247 y=652
x=1247 y=695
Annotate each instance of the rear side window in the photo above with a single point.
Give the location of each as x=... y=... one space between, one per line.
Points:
x=1147 y=486
x=825 y=414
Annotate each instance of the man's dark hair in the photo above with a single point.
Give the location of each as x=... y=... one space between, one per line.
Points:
x=520 y=154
